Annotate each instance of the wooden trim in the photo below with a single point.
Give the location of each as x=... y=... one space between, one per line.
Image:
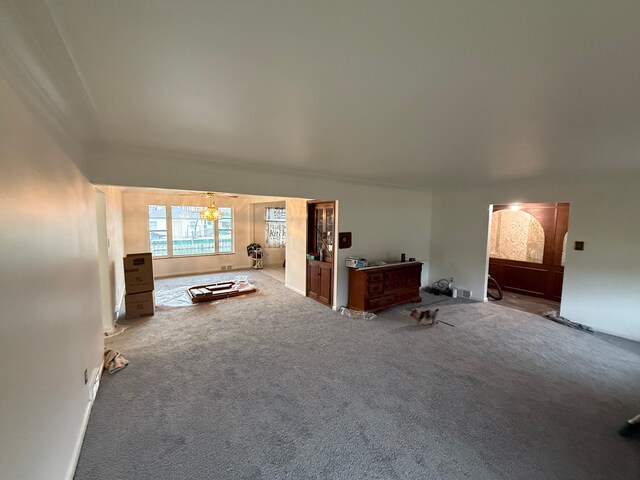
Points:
x=524 y=206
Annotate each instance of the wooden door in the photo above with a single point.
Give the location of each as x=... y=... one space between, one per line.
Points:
x=540 y=273
x=326 y=283
x=313 y=279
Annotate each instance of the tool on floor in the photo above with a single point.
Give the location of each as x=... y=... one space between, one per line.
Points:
x=555 y=316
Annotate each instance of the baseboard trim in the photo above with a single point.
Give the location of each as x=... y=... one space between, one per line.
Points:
x=203 y=272
x=613 y=333
x=304 y=294
x=85 y=423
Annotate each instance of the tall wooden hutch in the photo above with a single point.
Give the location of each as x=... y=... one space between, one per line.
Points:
x=320 y=246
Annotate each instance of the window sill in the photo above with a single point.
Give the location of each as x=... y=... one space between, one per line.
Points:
x=163 y=257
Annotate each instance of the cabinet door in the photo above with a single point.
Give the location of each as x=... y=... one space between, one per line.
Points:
x=328 y=230
x=323 y=230
x=313 y=280
x=326 y=279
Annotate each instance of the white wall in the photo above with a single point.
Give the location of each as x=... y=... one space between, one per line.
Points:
x=385 y=221
x=296 y=267
x=50 y=329
x=271 y=256
x=601 y=283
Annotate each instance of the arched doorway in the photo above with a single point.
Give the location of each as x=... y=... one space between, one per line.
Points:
x=526 y=248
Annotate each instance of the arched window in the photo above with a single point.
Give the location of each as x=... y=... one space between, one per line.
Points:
x=516 y=235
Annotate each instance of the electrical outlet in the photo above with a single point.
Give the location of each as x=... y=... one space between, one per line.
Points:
x=86 y=376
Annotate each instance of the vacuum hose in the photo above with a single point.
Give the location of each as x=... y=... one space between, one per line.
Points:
x=491 y=293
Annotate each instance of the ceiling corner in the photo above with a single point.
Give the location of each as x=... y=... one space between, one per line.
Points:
x=36 y=63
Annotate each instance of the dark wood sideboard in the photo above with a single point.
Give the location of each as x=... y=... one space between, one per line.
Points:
x=376 y=288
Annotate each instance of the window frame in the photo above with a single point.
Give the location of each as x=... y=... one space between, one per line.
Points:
x=169 y=231
x=267 y=221
x=166 y=230
x=233 y=234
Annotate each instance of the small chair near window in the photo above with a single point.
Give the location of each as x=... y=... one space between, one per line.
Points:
x=254 y=251
x=256 y=258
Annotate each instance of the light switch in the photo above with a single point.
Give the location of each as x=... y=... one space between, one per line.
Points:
x=344 y=240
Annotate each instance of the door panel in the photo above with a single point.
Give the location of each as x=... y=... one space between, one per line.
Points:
x=313 y=283
x=530 y=280
x=326 y=280
x=320 y=281
x=556 y=284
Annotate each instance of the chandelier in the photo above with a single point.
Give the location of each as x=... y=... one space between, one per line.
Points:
x=210 y=213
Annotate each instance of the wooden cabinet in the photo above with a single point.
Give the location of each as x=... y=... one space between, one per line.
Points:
x=320 y=236
x=375 y=288
x=319 y=281
x=321 y=229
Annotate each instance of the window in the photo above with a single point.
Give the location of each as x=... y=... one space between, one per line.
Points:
x=275 y=227
x=225 y=230
x=190 y=235
x=183 y=232
x=158 y=230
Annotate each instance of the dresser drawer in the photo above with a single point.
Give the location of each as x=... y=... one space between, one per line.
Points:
x=376 y=277
x=375 y=303
x=376 y=289
x=389 y=299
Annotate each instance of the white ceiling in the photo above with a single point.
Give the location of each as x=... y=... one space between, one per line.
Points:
x=417 y=93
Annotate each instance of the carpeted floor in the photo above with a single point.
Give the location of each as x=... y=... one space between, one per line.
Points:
x=275 y=272
x=275 y=385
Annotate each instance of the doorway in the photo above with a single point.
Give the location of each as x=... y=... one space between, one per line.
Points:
x=270 y=231
x=527 y=245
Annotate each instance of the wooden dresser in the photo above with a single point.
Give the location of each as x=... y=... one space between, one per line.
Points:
x=375 y=288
